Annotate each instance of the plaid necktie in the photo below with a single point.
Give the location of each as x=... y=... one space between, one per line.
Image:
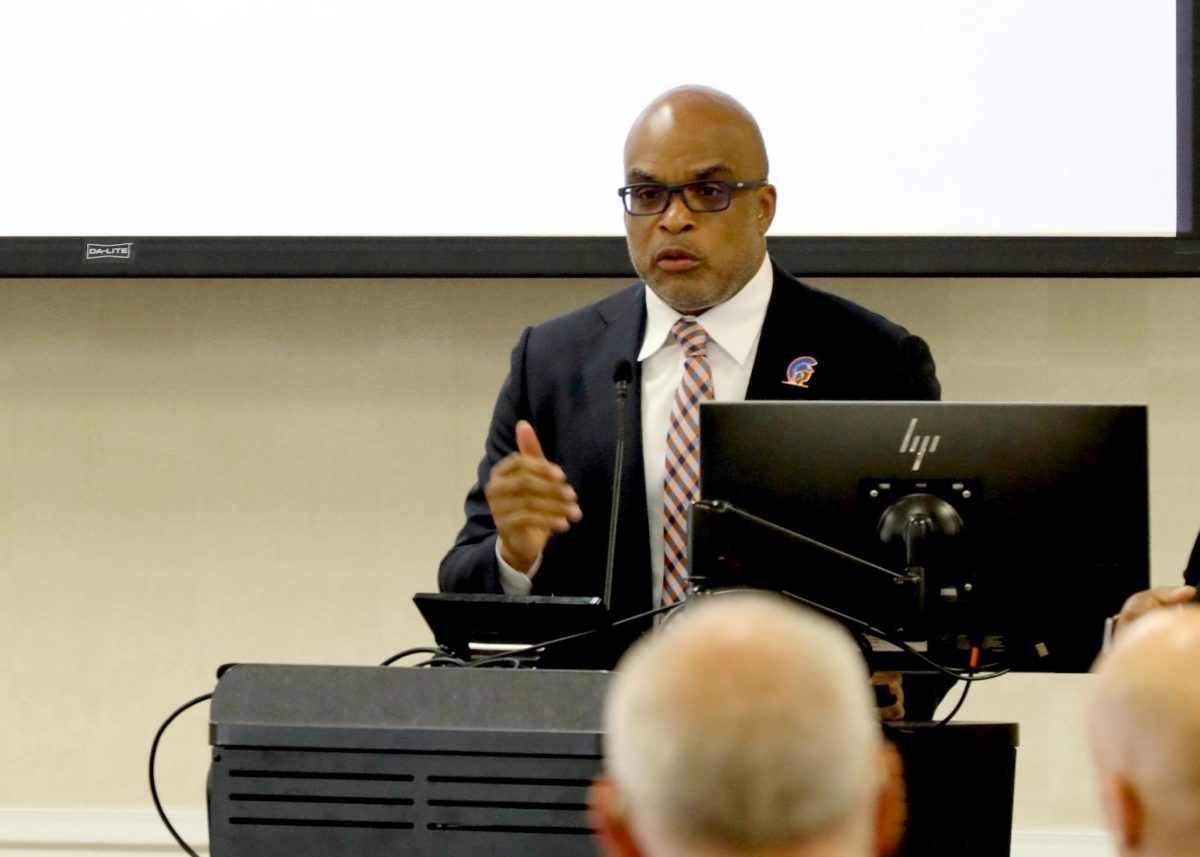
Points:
x=681 y=483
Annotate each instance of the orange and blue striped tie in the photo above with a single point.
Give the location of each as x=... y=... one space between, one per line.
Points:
x=681 y=483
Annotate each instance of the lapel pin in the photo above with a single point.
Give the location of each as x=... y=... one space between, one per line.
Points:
x=800 y=371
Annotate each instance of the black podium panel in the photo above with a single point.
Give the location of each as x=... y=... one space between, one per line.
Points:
x=372 y=761
x=960 y=788
x=362 y=761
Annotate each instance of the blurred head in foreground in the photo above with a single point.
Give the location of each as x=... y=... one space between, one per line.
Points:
x=745 y=727
x=1145 y=731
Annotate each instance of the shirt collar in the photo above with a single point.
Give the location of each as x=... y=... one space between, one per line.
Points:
x=733 y=325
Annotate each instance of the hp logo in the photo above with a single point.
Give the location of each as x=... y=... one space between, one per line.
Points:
x=918 y=443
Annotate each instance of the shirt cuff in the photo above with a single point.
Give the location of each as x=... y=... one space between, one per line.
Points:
x=514 y=582
x=1110 y=628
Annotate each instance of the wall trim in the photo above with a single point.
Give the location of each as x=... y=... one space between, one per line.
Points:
x=1062 y=843
x=114 y=832
x=53 y=831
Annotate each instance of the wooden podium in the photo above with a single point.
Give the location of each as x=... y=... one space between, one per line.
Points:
x=374 y=761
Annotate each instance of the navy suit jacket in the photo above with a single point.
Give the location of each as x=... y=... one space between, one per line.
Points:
x=561 y=380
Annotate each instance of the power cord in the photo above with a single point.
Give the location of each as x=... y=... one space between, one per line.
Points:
x=526 y=650
x=968 y=675
x=961 y=699
x=153 y=753
x=437 y=652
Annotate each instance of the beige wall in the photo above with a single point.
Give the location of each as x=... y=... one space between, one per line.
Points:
x=201 y=471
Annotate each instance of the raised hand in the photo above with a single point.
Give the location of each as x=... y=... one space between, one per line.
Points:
x=530 y=500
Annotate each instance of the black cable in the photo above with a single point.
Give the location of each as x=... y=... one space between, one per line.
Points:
x=420 y=650
x=957 y=706
x=506 y=663
x=959 y=675
x=968 y=675
x=889 y=727
x=526 y=650
x=864 y=646
x=441 y=661
x=154 y=752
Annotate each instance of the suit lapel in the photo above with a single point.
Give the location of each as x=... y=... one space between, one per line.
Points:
x=783 y=332
x=621 y=322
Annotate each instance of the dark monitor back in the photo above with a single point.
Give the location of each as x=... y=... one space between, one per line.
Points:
x=1053 y=501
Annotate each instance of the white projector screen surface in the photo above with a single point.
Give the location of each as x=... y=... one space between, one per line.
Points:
x=327 y=118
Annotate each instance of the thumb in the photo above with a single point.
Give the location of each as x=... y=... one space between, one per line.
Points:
x=1179 y=595
x=527 y=440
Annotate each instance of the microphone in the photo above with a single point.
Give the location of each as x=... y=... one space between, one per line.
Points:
x=622 y=376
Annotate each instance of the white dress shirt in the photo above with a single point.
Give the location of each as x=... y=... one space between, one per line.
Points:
x=733 y=329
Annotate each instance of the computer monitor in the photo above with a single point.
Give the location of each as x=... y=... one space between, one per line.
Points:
x=1032 y=520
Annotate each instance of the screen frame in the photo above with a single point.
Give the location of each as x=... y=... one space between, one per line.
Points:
x=570 y=257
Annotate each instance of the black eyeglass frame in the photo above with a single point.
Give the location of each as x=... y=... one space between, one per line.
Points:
x=671 y=189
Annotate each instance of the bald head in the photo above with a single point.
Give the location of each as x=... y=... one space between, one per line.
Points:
x=1145 y=725
x=696 y=260
x=680 y=116
x=745 y=727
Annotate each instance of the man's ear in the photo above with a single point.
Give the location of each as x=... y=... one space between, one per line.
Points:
x=1125 y=810
x=766 y=208
x=891 y=811
x=606 y=809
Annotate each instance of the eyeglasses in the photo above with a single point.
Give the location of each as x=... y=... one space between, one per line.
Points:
x=702 y=196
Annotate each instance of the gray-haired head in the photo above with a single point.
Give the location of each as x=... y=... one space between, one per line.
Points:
x=1145 y=732
x=745 y=726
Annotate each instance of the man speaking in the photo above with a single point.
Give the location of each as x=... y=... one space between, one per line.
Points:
x=718 y=321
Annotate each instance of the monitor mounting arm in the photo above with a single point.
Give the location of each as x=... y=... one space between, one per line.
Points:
x=769 y=556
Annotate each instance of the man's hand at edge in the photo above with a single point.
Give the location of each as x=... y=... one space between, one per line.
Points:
x=1141 y=603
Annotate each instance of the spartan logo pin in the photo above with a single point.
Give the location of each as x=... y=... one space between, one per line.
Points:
x=918 y=443
x=800 y=371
